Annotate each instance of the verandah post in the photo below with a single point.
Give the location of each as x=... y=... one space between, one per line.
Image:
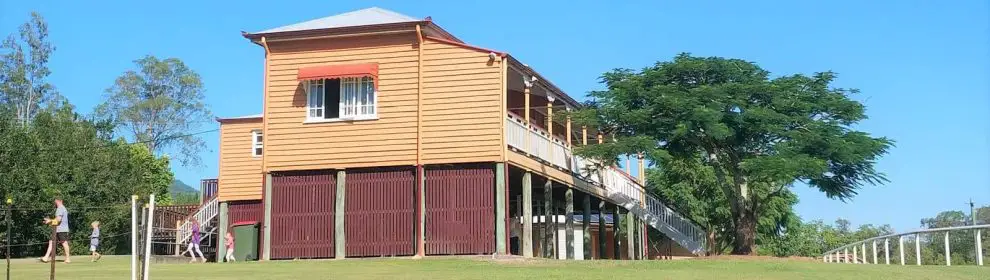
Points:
x=339 y=235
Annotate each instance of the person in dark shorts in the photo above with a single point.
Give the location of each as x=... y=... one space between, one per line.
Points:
x=61 y=224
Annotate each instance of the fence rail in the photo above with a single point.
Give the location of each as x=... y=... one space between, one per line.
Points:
x=859 y=248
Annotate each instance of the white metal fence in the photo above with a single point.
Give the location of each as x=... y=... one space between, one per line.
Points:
x=859 y=248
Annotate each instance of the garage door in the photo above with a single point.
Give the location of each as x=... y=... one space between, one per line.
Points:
x=460 y=212
x=302 y=215
x=379 y=217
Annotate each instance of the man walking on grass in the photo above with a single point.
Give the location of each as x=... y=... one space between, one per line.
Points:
x=61 y=224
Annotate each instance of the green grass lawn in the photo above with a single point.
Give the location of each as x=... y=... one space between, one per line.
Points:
x=117 y=268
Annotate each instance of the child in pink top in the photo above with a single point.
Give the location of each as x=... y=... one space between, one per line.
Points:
x=229 y=243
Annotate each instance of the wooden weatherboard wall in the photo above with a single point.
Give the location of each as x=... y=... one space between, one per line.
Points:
x=389 y=140
x=461 y=105
x=240 y=172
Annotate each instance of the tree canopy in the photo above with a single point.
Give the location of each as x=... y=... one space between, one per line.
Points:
x=759 y=135
x=160 y=105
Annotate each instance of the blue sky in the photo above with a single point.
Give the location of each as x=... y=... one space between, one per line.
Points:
x=923 y=66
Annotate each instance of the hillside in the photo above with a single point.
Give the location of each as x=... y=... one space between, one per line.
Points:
x=181 y=187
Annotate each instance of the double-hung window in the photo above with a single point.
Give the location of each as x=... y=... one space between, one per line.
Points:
x=341 y=99
x=257 y=143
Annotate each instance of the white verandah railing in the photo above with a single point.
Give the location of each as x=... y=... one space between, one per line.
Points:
x=620 y=187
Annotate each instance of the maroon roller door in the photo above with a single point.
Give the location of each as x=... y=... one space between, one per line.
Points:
x=302 y=215
x=379 y=216
x=460 y=211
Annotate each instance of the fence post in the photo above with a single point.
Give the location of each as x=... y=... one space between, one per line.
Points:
x=855 y=254
x=900 y=247
x=148 y=234
x=979 y=248
x=178 y=225
x=863 y=252
x=948 y=253
x=874 y=252
x=917 y=248
x=886 y=250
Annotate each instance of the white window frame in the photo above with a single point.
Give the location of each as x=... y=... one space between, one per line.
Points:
x=353 y=104
x=255 y=144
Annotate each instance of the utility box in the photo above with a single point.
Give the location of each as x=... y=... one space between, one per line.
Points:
x=245 y=240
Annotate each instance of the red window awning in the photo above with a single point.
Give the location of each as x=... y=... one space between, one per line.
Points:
x=339 y=71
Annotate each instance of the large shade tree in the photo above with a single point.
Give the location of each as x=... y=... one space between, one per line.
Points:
x=760 y=135
x=160 y=105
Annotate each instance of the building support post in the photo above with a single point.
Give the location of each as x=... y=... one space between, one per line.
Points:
x=569 y=221
x=266 y=252
x=500 y=194
x=339 y=235
x=586 y=225
x=602 y=245
x=527 y=214
x=222 y=226
x=548 y=234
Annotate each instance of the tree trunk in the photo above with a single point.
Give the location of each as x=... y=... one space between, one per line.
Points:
x=745 y=230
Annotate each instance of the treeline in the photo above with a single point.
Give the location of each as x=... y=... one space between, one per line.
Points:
x=49 y=150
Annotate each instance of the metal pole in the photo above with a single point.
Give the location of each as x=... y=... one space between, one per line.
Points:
x=900 y=247
x=886 y=250
x=874 y=252
x=917 y=248
x=134 y=237
x=148 y=234
x=979 y=248
x=948 y=257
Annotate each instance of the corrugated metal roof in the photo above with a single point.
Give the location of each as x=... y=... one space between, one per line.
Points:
x=369 y=16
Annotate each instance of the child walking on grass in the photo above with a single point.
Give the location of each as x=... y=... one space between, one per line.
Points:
x=229 y=243
x=193 y=247
x=94 y=241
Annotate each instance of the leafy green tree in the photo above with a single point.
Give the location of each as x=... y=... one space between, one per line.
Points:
x=63 y=155
x=759 y=135
x=23 y=73
x=160 y=105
